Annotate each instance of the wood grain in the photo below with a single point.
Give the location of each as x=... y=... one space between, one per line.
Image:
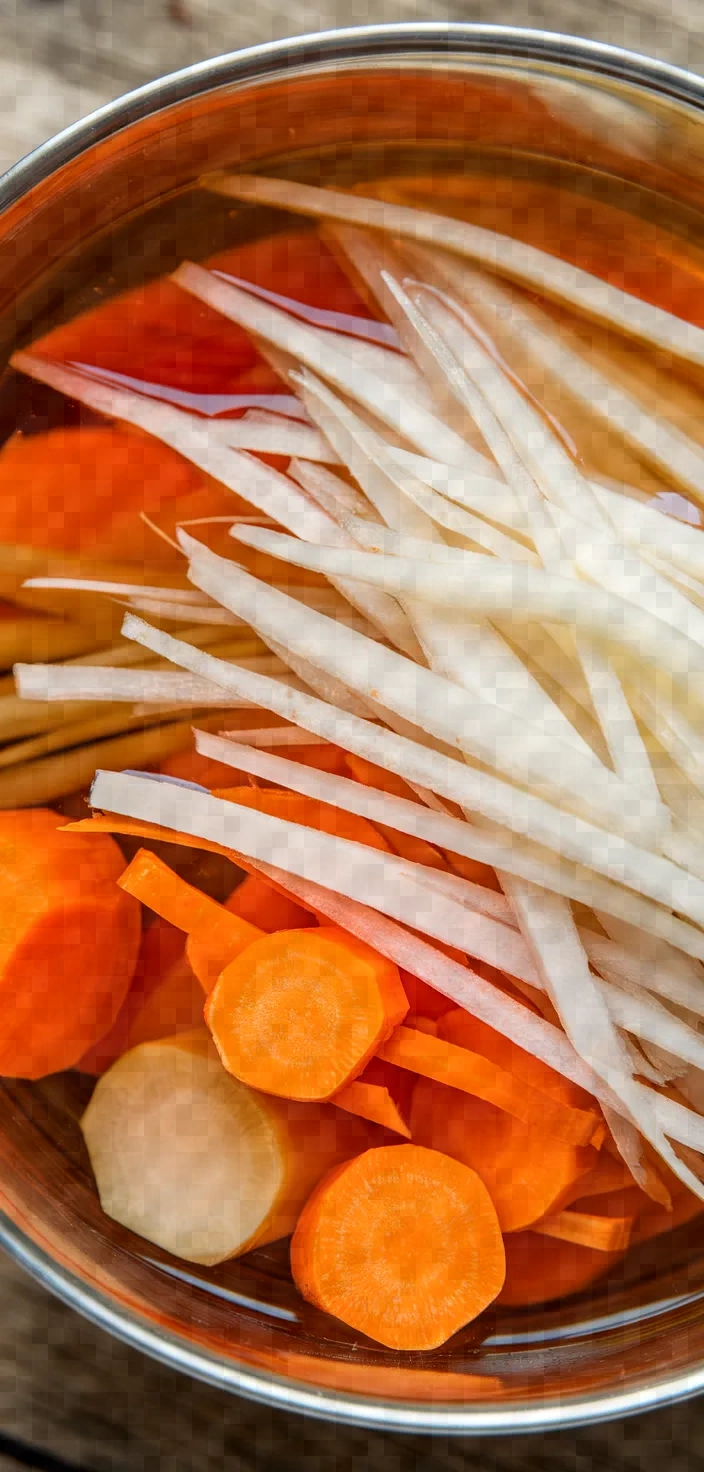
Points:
x=70 y=1396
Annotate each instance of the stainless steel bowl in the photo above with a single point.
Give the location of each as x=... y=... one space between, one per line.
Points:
x=85 y=203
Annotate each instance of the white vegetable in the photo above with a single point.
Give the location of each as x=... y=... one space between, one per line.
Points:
x=552 y=276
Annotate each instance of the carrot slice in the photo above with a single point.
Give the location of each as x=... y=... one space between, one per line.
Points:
x=402 y=1244
x=192 y=1159
x=260 y=904
x=447 y=1063
x=602 y=1233
x=68 y=946
x=527 y=1172
x=374 y=1102
x=461 y=1028
x=541 y=1269
x=299 y=1012
x=215 y=934
x=174 y=1005
x=83 y=489
x=162 y=948
x=295 y=808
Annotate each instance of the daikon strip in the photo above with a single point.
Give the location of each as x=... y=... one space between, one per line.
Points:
x=275 y=437
x=61 y=682
x=267 y=736
x=451 y=714
x=646 y=1018
x=475 y=657
x=684 y=976
x=506 y=806
x=483 y=586
x=548 y=924
x=549 y=274
x=209 y=405
x=345 y=322
x=642 y=524
x=95 y=585
x=384 y=381
x=206 y=613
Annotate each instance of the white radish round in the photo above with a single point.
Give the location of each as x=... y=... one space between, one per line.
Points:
x=200 y=1164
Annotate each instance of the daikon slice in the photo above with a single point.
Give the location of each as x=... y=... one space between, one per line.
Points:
x=191 y=1159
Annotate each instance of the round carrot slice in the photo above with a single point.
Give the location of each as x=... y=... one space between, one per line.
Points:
x=402 y=1244
x=300 y=1012
x=527 y=1173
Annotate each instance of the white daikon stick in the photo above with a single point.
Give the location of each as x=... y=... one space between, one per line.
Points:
x=551 y=276
x=508 y=807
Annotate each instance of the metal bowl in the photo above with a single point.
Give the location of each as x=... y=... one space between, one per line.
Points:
x=112 y=199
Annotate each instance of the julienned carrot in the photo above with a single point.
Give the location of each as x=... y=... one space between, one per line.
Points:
x=402 y=1244
x=260 y=904
x=542 y=1269
x=300 y=1012
x=68 y=943
x=424 y=999
x=215 y=934
x=374 y=1102
x=447 y=1063
x=294 y=808
x=602 y=1233
x=527 y=1172
x=608 y=1174
x=461 y=1028
x=193 y=1160
x=162 y=949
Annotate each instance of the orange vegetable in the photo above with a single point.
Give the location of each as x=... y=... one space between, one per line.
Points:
x=526 y=1171
x=174 y=1005
x=402 y=1244
x=293 y=807
x=300 y=1012
x=423 y=998
x=462 y=1028
x=260 y=904
x=541 y=1269
x=602 y=1233
x=374 y=1102
x=162 y=949
x=192 y=1159
x=82 y=489
x=69 y=942
x=474 y=1074
x=215 y=934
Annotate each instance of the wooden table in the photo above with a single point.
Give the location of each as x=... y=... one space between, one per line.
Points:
x=70 y=1396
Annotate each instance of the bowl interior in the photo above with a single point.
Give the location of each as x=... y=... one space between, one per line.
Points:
x=119 y=212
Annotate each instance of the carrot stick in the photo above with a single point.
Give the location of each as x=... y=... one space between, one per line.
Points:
x=374 y=1102
x=300 y=1012
x=527 y=1172
x=193 y=1160
x=462 y=1028
x=541 y=1269
x=294 y=808
x=606 y=1175
x=215 y=935
x=68 y=946
x=435 y=1058
x=260 y=904
x=602 y=1233
x=402 y=1244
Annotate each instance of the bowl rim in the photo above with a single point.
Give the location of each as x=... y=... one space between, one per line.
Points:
x=458 y=41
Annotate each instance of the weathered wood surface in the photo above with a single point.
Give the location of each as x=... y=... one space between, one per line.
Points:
x=70 y=1395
